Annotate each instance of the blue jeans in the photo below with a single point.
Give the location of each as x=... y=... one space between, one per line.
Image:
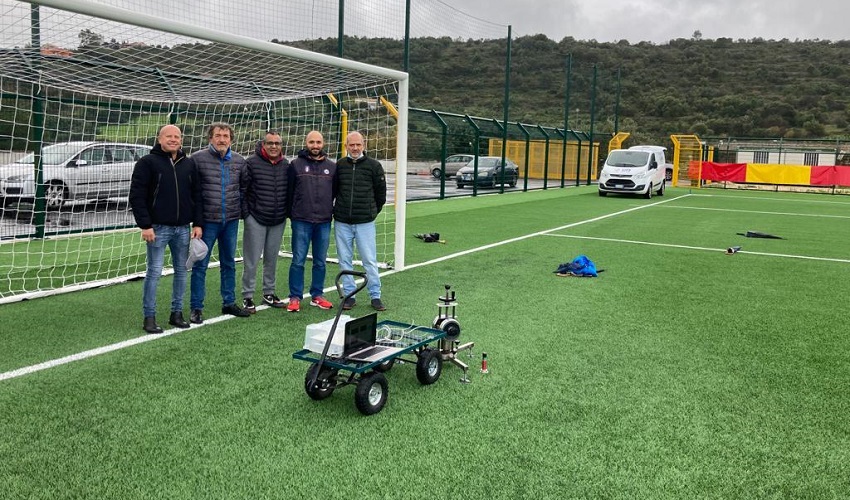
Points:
x=363 y=235
x=303 y=234
x=176 y=238
x=226 y=235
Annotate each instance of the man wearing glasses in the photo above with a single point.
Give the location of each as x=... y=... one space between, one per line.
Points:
x=312 y=208
x=265 y=207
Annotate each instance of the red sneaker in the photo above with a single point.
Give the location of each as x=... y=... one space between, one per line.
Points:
x=321 y=303
x=294 y=305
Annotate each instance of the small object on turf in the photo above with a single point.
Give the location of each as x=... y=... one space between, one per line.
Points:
x=731 y=250
x=430 y=237
x=757 y=234
x=484 y=368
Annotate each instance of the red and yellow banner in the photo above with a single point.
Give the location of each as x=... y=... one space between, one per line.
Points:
x=764 y=173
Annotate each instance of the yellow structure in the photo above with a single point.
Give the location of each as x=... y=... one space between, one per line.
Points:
x=686 y=148
x=617 y=141
x=537 y=166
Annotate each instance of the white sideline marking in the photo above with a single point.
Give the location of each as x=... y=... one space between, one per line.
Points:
x=688 y=247
x=785 y=200
x=763 y=212
x=150 y=337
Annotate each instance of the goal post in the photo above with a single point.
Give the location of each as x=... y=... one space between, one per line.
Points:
x=100 y=95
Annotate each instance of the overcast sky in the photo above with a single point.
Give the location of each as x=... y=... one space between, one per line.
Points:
x=659 y=21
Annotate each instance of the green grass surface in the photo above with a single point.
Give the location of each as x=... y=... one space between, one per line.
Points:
x=678 y=373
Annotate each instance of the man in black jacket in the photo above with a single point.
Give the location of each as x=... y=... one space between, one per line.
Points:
x=165 y=196
x=360 y=190
x=264 y=204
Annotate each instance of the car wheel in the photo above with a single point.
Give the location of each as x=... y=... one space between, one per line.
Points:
x=55 y=195
x=514 y=180
x=437 y=173
x=460 y=186
x=603 y=193
x=661 y=189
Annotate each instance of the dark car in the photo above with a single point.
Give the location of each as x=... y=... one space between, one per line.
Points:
x=490 y=173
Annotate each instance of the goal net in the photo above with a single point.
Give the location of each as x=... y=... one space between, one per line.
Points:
x=85 y=87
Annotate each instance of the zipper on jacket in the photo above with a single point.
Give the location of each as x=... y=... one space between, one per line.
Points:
x=351 y=203
x=177 y=186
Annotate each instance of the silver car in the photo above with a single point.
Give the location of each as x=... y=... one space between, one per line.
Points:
x=73 y=171
x=453 y=164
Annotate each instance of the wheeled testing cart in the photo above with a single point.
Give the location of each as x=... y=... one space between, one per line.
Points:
x=424 y=347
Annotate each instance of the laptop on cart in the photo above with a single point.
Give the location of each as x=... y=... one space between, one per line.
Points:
x=360 y=340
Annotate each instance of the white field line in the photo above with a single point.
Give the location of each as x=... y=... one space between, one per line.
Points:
x=687 y=247
x=762 y=212
x=785 y=200
x=147 y=338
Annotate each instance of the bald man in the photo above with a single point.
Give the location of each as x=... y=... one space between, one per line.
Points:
x=361 y=192
x=311 y=186
x=165 y=196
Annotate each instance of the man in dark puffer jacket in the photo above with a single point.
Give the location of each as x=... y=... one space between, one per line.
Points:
x=360 y=190
x=220 y=171
x=265 y=204
x=165 y=195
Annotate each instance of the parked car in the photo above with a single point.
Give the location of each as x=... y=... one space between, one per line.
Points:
x=489 y=172
x=453 y=164
x=73 y=171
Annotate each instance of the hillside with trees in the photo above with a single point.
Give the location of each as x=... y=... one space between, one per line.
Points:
x=722 y=87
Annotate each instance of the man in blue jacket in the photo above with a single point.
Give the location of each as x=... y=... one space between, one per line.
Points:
x=165 y=196
x=220 y=171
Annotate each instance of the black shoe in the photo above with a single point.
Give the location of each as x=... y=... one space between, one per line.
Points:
x=197 y=316
x=177 y=320
x=248 y=305
x=234 y=310
x=273 y=300
x=378 y=305
x=348 y=304
x=150 y=325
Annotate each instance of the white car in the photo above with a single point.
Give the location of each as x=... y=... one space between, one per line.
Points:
x=73 y=171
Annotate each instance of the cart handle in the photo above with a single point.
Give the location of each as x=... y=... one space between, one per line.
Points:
x=356 y=274
x=338 y=282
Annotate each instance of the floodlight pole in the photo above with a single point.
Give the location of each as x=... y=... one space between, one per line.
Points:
x=37 y=129
x=506 y=110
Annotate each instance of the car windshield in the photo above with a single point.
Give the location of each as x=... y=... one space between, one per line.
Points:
x=627 y=158
x=488 y=162
x=53 y=155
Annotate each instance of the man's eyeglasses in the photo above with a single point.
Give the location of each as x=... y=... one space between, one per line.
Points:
x=272 y=143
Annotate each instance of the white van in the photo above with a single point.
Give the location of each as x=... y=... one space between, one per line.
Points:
x=637 y=170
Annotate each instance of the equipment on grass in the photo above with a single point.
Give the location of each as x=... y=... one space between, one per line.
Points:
x=430 y=237
x=581 y=266
x=757 y=234
x=731 y=250
x=399 y=339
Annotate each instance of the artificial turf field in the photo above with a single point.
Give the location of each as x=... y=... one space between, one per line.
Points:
x=680 y=372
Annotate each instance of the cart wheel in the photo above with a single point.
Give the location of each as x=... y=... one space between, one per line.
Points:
x=325 y=382
x=429 y=366
x=371 y=392
x=385 y=366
